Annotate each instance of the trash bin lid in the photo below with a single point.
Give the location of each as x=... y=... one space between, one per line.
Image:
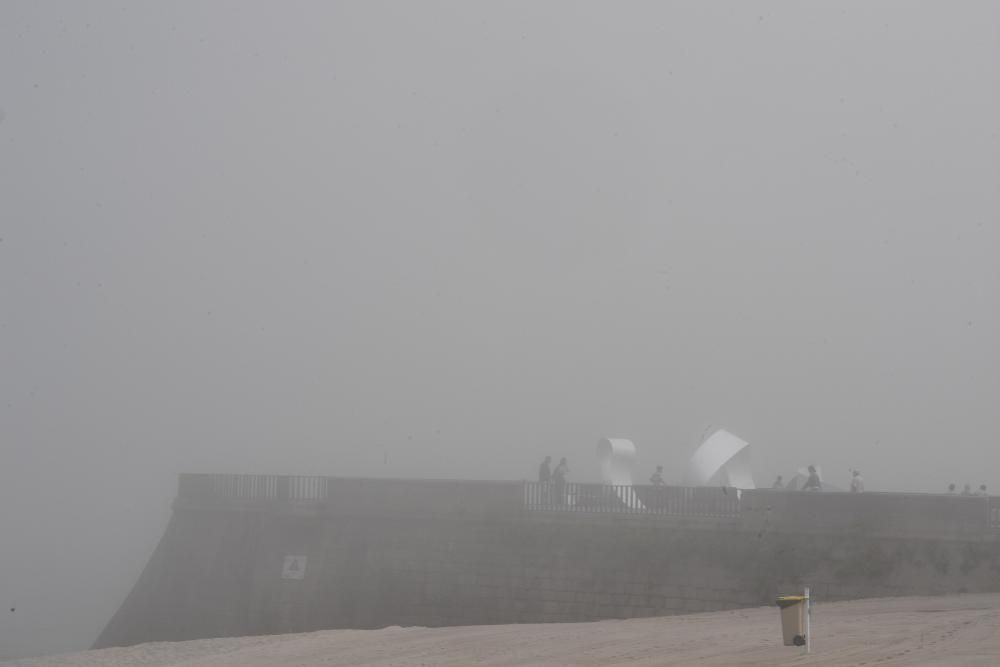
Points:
x=789 y=600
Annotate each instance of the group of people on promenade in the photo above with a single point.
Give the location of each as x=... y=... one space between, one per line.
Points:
x=967 y=490
x=557 y=477
x=814 y=483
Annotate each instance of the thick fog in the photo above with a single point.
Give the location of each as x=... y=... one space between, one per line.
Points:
x=446 y=239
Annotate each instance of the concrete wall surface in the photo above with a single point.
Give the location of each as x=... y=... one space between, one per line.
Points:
x=402 y=554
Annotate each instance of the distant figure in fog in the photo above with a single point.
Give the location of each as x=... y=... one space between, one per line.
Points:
x=657 y=478
x=559 y=481
x=544 y=472
x=857 y=482
x=559 y=474
x=813 y=483
x=951 y=489
x=967 y=490
x=778 y=483
x=982 y=490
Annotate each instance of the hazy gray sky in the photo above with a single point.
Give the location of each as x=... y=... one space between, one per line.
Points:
x=302 y=237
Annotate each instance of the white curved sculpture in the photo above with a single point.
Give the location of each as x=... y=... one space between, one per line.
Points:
x=617 y=456
x=723 y=460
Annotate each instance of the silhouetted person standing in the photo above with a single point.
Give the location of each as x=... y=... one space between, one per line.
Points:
x=812 y=483
x=657 y=477
x=559 y=480
x=544 y=472
x=857 y=482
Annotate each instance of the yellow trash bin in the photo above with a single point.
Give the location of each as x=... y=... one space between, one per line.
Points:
x=793 y=619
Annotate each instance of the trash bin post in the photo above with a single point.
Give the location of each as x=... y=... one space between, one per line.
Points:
x=794 y=620
x=809 y=613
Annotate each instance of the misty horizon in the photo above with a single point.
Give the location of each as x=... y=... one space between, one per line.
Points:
x=445 y=240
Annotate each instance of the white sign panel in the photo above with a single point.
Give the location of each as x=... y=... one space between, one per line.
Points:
x=294 y=567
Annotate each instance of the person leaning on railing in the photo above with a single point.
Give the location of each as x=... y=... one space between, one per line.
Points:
x=813 y=483
x=544 y=480
x=658 y=497
x=544 y=472
x=559 y=480
x=857 y=482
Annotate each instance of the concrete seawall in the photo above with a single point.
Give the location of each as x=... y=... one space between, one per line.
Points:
x=405 y=552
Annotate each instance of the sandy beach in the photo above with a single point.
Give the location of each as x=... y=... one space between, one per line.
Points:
x=952 y=630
